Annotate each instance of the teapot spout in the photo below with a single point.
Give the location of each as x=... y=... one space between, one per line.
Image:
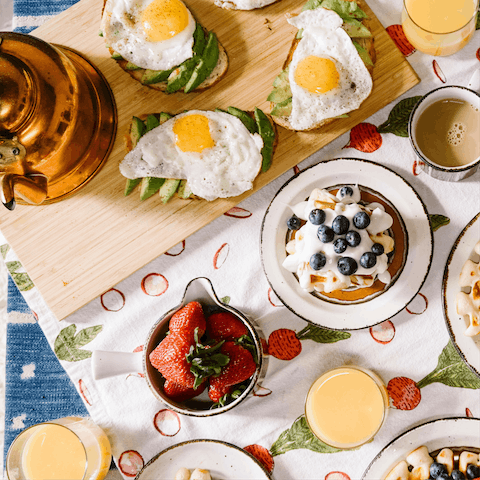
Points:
x=30 y=188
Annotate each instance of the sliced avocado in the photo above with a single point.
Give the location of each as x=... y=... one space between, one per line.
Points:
x=363 y=54
x=130 y=185
x=281 y=88
x=184 y=190
x=151 y=123
x=267 y=133
x=283 y=109
x=116 y=56
x=356 y=29
x=168 y=189
x=206 y=64
x=137 y=129
x=299 y=34
x=155 y=76
x=199 y=40
x=246 y=119
x=131 y=66
x=164 y=116
x=149 y=186
x=182 y=74
x=220 y=110
x=281 y=78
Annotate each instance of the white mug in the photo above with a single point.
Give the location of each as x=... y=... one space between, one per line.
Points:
x=440 y=172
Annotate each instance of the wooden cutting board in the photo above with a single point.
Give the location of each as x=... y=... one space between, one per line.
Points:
x=76 y=249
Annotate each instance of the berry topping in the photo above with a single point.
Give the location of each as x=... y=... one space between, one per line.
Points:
x=340 y=225
x=368 y=260
x=377 y=249
x=294 y=223
x=444 y=476
x=473 y=471
x=437 y=469
x=318 y=260
x=325 y=234
x=317 y=216
x=361 y=220
x=346 y=192
x=347 y=265
x=353 y=238
x=457 y=475
x=340 y=245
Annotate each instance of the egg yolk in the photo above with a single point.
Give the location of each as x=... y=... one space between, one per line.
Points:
x=316 y=74
x=193 y=133
x=163 y=19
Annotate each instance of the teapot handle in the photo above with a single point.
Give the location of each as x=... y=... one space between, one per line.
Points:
x=32 y=188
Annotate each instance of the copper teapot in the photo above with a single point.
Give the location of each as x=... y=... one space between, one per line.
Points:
x=58 y=120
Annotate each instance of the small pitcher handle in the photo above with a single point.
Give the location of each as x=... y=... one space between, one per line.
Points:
x=110 y=364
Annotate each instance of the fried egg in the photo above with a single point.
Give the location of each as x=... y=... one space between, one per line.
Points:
x=152 y=34
x=327 y=76
x=213 y=151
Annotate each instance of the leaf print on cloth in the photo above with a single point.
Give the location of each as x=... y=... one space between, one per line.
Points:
x=398 y=36
x=398 y=118
x=262 y=455
x=4 y=250
x=437 y=221
x=67 y=344
x=322 y=335
x=298 y=436
x=21 y=279
x=365 y=137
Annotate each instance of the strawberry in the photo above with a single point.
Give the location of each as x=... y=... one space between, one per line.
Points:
x=216 y=394
x=169 y=358
x=225 y=326
x=187 y=319
x=179 y=393
x=240 y=367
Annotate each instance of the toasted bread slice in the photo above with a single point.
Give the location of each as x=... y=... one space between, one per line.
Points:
x=366 y=43
x=127 y=138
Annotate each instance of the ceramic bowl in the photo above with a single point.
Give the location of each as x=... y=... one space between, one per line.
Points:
x=107 y=364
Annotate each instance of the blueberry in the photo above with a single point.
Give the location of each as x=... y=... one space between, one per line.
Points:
x=437 y=469
x=361 y=220
x=325 y=234
x=340 y=245
x=444 y=476
x=317 y=216
x=473 y=471
x=353 y=238
x=346 y=192
x=368 y=260
x=377 y=249
x=294 y=223
x=457 y=475
x=340 y=225
x=347 y=265
x=318 y=260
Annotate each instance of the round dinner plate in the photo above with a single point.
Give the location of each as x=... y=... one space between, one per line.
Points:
x=222 y=459
x=462 y=250
x=435 y=435
x=398 y=193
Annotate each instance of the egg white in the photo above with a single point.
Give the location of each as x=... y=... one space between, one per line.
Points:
x=225 y=170
x=123 y=32
x=324 y=37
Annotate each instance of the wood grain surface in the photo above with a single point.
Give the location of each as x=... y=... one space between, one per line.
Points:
x=78 y=248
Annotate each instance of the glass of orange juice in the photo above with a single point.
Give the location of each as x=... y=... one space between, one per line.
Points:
x=439 y=27
x=70 y=448
x=346 y=406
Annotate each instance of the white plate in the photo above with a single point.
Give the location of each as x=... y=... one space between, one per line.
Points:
x=393 y=188
x=437 y=434
x=224 y=460
x=462 y=250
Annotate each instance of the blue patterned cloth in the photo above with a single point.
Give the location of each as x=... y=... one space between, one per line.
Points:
x=37 y=387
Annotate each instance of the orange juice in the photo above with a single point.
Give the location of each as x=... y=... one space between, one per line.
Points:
x=439 y=27
x=55 y=453
x=345 y=407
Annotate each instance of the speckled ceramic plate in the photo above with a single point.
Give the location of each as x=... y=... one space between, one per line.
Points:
x=224 y=461
x=462 y=250
x=435 y=435
x=386 y=184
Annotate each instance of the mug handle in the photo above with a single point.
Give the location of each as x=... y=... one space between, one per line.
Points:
x=110 y=364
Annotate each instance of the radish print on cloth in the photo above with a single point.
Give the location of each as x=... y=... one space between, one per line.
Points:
x=262 y=455
x=451 y=371
x=365 y=138
x=398 y=36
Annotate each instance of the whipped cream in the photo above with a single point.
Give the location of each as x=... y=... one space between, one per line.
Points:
x=306 y=242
